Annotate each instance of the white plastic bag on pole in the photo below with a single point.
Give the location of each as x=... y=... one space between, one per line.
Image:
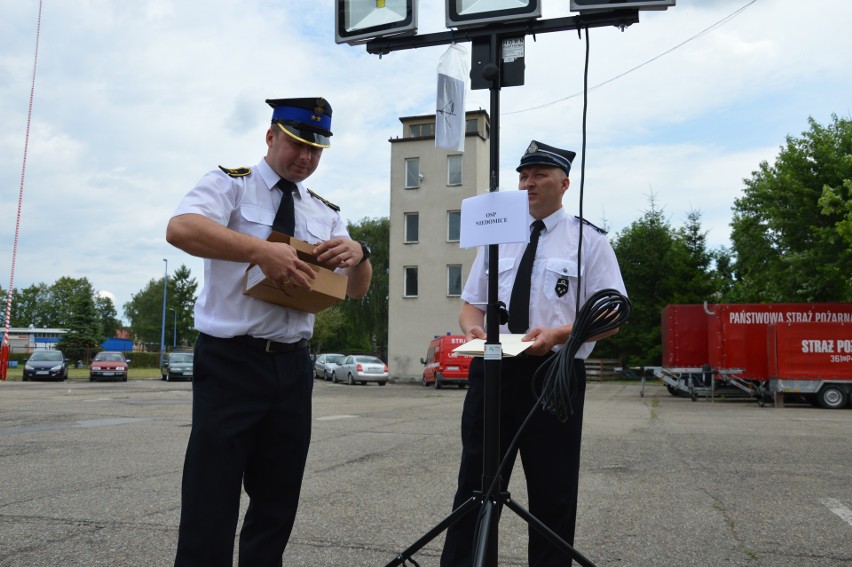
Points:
x=453 y=73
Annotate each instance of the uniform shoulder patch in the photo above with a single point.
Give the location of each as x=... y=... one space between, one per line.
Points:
x=597 y=228
x=236 y=171
x=328 y=203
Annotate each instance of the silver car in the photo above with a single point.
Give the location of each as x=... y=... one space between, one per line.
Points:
x=326 y=363
x=361 y=368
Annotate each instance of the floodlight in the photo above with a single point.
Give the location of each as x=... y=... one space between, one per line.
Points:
x=357 y=21
x=589 y=5
x=462 y=13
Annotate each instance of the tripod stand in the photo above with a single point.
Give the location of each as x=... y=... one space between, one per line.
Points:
x=489 y=70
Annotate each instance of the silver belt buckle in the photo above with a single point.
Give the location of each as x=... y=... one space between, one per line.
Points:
x=268 y=344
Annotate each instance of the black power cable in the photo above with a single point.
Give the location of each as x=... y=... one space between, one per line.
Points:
x=604 y=311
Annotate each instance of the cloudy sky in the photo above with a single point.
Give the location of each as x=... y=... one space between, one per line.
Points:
x=134 y=101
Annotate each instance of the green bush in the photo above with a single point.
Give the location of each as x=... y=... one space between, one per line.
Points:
x=144 y=359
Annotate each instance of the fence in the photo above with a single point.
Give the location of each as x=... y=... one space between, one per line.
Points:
x=602 y=369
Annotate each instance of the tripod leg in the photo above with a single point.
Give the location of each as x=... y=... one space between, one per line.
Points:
x=485 y=553
x=552 y=536
x=457 y=514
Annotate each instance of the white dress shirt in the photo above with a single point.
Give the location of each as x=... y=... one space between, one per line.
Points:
x=553 y=290
x=248 y=205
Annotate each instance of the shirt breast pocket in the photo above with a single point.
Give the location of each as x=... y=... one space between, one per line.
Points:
x=318 y=231
x=257 y=215
x=560 y=280
x=505 y=277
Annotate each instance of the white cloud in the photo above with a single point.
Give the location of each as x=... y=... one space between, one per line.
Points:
x=134 y=101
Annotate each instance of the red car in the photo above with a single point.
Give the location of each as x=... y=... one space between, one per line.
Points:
x=109 y=365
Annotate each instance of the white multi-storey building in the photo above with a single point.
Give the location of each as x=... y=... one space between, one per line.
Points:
x=427 y=266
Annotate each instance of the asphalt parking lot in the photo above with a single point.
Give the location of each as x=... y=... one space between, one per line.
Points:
x=91 y=477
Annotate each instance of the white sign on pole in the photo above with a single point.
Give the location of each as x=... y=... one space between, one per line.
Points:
x=497 y=217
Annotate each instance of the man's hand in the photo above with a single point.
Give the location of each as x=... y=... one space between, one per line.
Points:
x=545 y=339
x=475 y=332
x=339 y=253
x=281 y=264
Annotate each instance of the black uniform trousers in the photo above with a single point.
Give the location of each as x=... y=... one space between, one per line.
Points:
x=550 y=453
x=251 y=426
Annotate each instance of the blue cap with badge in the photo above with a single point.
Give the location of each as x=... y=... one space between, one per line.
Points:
x=305 y=119
x=542 y=154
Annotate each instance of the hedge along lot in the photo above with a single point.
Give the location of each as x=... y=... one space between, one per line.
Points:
x=15 y=374
x=143 y=366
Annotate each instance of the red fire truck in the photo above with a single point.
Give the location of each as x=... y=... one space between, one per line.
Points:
x=763 y=350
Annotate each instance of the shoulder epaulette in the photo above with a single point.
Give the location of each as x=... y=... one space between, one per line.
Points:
x=236 y=172
x=328 y=203
x=586 y=222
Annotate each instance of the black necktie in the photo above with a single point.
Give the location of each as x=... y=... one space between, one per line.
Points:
x=285 y=218
x=519 y=304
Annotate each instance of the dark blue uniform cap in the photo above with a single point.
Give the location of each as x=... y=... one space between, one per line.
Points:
x=306 y=119
x=542 y=154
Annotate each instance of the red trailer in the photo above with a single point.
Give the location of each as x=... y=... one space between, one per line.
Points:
x=812 y=359
x=759 y=349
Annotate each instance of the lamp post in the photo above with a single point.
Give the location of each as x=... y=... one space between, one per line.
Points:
x=163 y=325
x=174 y=333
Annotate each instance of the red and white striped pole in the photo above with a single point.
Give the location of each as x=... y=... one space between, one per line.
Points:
x=5 y=348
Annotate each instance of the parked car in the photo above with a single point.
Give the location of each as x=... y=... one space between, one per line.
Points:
x=442 y=366
x=177 y=366
x=361 y=368
x=46 y=365
x=326 y=363
x=109 y=364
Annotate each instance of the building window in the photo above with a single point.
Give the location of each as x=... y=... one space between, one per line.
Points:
x=421 y=130
x=412 y=228
x=412 y=173
x=454 y=169
x=471 y=126
x=453 y=226
x=454 y=279
x=410 y=284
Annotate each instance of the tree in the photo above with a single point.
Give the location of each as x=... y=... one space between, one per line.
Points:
x=366 y=319
x=791 y=229
x=699 y=261
x=327 y=328
x=181 y=295
x=836 y=201
x=63 y=296
x=659 y=265
x=84 y=328
x=107 y=316
x=144 y=312
x=31 y=306
x=71 y=304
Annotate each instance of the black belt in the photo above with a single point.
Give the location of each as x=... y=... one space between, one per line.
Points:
x=271 y=346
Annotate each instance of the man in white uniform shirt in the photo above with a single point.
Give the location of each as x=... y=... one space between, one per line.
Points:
x=549 y=449
x=251 y=404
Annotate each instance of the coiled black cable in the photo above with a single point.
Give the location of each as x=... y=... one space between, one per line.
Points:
x=604 y=311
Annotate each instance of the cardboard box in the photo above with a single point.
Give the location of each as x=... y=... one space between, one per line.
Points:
x=328 y=289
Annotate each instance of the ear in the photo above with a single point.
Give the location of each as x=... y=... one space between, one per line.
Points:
x=270 y=137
